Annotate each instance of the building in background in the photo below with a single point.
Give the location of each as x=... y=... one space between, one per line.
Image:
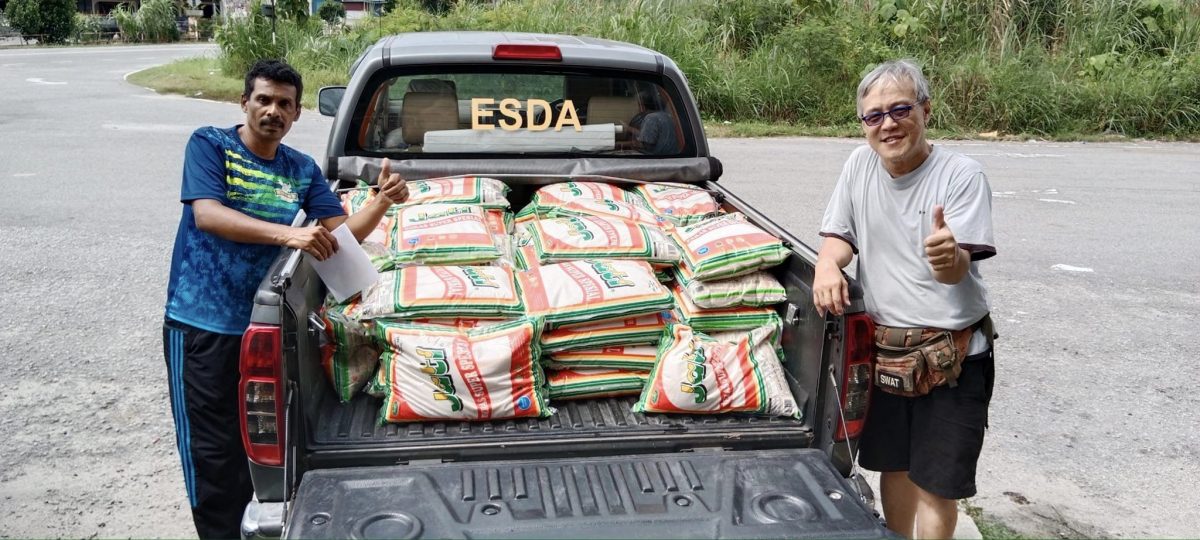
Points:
x=211 y=8
x=354 y=9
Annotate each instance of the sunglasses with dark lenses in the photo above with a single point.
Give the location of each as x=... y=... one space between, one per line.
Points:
x=898 y=113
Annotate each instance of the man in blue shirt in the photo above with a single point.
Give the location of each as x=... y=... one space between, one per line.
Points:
x=242 y=189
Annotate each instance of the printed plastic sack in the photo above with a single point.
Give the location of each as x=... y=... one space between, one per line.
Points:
x=579 y=291
x=698 y=374
x=556 y=195
x=771 y=334
x=443 y=291
x=591 y=237
x=498 y=222
x=441 y=234
x=355 y=199
x=525 y=257
x=474 y=190
x=642 y=330
x=754 y=289
x=634 y=357
x=595 y=383
x=678 y=203
x=381 y=257
x=727 y=246
x=349 y=356
x=716 y=320
x=459 y=322
x=443 y=373
x=607 y=209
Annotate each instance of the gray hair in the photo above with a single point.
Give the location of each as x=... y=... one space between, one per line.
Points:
x=894 y=71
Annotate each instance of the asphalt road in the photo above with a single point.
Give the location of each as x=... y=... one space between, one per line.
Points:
x=1093 y=424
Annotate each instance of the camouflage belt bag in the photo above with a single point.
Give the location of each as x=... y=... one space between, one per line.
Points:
x=910 y=362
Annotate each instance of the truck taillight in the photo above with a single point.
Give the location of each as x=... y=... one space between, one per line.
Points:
x=261 y=406
x=856 y=375
x=526 y=51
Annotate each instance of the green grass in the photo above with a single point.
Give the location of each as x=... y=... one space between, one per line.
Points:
x=192 y=77
x=990 y=528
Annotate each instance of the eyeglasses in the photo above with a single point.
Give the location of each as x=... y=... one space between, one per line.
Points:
x=898 y=113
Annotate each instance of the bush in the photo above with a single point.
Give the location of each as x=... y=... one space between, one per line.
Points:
x=154 y=22
x=48 y=21
x=87 y=29
x=295 y=10
x=206 y=28
x=331 y=11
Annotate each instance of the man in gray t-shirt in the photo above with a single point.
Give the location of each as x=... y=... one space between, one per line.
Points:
x=919 y=219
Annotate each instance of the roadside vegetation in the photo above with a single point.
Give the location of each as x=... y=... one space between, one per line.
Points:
x=56 y=22
x=1059 y=69
x=48 y=21
x=990 y=528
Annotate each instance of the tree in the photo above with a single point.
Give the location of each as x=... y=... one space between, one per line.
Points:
x=296 y=10
x=331 y=11
x=49 y=21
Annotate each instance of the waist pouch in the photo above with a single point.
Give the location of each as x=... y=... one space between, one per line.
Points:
x=910 y=362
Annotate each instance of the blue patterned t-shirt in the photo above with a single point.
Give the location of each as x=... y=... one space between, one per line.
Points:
x=213 y=280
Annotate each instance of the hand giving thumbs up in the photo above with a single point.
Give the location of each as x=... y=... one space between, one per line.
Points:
x=391 y=187
x=940 y=247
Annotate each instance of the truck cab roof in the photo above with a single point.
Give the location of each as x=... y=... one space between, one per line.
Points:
x=465 y=47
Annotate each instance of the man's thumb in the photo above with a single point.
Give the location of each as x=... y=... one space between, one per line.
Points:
x=939 y=218
x=386 y=170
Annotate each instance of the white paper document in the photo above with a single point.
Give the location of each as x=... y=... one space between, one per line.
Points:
x=349 y=271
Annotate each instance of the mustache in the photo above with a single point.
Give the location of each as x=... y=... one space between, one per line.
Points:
x=271 y=122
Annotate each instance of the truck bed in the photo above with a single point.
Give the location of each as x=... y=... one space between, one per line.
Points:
x=579 y=427
x=348 y=434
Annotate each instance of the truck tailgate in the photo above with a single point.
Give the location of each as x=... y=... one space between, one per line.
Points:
x=792 y=493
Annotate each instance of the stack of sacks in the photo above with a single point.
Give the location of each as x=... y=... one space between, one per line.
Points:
x=722 y=284
x=607 y=357
x=392 y=244
x=602 y=359
x=445 y=253
x=620 y=301
x=589 y=252
x=464 y=336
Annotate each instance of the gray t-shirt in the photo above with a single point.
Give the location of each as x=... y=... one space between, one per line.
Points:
x=887 y=220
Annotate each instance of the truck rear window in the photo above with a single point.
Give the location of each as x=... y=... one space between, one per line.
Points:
x=520 y=113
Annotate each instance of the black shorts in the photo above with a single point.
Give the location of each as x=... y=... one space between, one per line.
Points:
x=936 y=437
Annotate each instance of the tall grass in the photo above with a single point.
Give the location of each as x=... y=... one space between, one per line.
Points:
x=153 y=22
x=1051 y=67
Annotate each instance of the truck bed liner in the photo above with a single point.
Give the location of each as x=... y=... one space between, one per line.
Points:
x=785 y=494
x=355 y=424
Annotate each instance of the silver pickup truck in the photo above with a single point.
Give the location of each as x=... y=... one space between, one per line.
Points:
x=534 y=110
